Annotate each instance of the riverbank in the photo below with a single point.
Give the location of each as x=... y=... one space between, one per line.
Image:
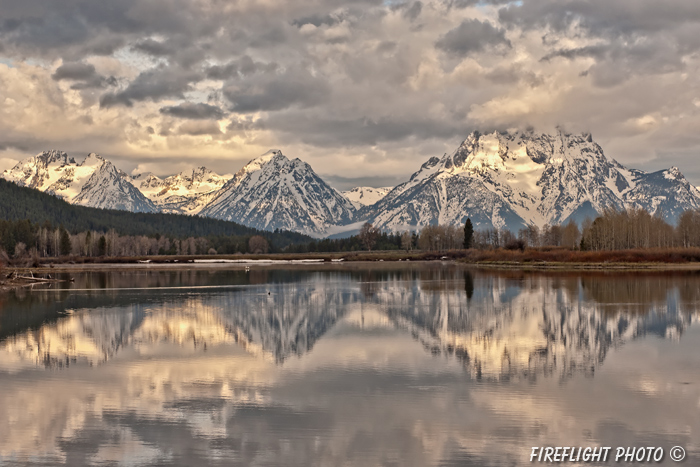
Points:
x=529 y=256
x=529 y=259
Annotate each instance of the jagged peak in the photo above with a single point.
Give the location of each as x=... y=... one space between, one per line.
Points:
x=93 y=159
x=259 y=162
x=271 y=154
x=487 y=151
x=53 y=155
x=673 y=173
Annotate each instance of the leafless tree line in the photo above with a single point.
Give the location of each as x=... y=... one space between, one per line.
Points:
x=636 y=228
x=93 y=243
x=613 y=230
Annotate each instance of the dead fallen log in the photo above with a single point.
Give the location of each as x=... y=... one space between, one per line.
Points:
x=37 y=279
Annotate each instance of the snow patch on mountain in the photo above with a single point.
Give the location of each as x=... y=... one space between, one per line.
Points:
x=184 y=193
x=365 y=196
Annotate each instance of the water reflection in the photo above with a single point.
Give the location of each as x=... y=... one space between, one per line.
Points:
x=414 y=366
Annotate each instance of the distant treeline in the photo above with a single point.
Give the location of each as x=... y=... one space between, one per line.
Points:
x=23 y=239
x=613 y=230
x=429 y=238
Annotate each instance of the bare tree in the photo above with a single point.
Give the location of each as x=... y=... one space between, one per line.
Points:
x=407 y=240
x=4 y=259
x=369 y=235
x=20 y=250
x=258 y=244
x=571 y=235
x=634 y=228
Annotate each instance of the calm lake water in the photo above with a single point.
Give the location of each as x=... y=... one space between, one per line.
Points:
x=347 y=365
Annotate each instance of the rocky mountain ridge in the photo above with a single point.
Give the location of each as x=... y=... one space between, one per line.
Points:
x=510 y=180
x=95 y=182
x=185 y=193
x=501 y=179
x=274 y=192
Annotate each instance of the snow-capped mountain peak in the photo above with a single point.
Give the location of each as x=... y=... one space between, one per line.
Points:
x=94 y=182
x=509 y=180
x=500 y=179
x=186 y=192
x=274 y=192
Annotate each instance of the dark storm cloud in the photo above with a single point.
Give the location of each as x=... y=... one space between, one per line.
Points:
x=472 y=36
x=72 y=28
x=277 y=91
x=61 y=27
x=413 y=11
x=603 y=17
x=154 y=85
x=152 y=47
x=321 y=130
x=619 y=60
x=317 y=20
x=199 y=128
x=198 y=111
x=244 y=66
x=409 y=10
x=75 y=71
x=83 y=75
x=632 y=38
x=467 y=3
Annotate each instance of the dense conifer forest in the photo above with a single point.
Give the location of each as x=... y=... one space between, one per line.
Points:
x=27 y=214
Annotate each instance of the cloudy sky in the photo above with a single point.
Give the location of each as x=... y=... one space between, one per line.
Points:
x=363 y=90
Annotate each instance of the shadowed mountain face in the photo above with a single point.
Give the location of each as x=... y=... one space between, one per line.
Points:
x=424 y=365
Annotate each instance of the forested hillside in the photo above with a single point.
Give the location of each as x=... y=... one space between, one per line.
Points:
x=18 y=203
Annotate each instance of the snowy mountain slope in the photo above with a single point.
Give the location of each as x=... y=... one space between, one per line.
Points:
x=95 y=182
x=508 y=180
x=273 y=192
x=503 y=180
x=184 y=193
x=666 y=192
x=365 y=195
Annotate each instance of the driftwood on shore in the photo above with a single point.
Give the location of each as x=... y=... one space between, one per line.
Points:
x=37 y=279
x=15 y=280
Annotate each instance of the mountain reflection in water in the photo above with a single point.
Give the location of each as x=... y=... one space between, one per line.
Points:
x=417 y=365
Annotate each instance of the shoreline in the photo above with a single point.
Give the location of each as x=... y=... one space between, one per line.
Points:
x=21 y=282
x=557 y=259
x=246 y=263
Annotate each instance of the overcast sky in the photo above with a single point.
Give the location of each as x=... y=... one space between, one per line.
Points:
x=363 y=90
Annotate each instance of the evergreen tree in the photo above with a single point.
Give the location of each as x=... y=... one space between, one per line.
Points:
x=102 y=246
x=468 y=234
x=64 y=242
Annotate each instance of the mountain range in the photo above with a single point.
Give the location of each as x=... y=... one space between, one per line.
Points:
x=501 y=179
